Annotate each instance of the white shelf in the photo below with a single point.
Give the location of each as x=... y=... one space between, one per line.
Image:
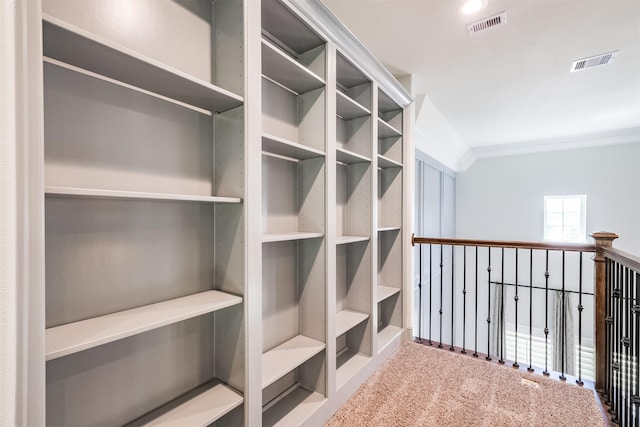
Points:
x=385 y=130
x=343 y=240
x=348 y=108
x=347 y=320
x=216 y=401
x=282 y=237
x=390 y=228
x=293 y=409
x=82 y=49
x=284 y=358
x=349 y=157
x=348 y=364
x=387 y=334
x=386 y=163
x=279 y=67
x=283 y=147
x=385 y=292
x=74 y=192
x=74 y=337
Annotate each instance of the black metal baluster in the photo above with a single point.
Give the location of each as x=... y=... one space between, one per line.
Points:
x=636 y=347
x=441 y=293
x=580 y=308
x=515 y=299
x=530 y=368
x=475 y=326
x=501 y=323
x=464 y=300
x=616 y=345
x=608 y=323
x=453 y=292
x=546 y=316
x=488 y=356
x=627 y=341
x=420 y=294
x=563 y=326
x=430 y=290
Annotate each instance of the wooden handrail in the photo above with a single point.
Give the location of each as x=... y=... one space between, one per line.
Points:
x=624 y=258
x=575 y=247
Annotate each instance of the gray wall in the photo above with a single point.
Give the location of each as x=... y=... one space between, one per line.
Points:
x=503 y=197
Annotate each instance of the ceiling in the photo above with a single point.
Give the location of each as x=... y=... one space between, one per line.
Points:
x=510 y=84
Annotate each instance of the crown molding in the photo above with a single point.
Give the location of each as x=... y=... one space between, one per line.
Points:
x=317 y=13
x=614 y=137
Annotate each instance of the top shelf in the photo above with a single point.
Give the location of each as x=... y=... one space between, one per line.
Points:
x=349 y=109
x=81 y=49
x=284 y=70
x=386 y=104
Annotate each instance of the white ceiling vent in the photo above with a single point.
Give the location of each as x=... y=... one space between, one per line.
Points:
x=486 y=23
x=594 y=61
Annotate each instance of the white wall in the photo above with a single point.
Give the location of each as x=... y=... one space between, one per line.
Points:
x=7 y=216
x=502 y=197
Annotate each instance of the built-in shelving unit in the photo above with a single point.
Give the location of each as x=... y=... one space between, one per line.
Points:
x=354 y=220
x=223 y=213
x=391 y=189
x=144 y=213
x=294 y=194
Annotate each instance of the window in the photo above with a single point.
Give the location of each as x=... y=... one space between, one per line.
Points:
x=565 y=218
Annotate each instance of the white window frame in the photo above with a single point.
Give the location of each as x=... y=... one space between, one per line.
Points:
x=582 y=237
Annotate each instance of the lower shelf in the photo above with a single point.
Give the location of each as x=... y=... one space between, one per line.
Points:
x=387 y=334
x=284 y=358
x=292 y=409
x=349 y=363
x=385 y=292
x=216 y=400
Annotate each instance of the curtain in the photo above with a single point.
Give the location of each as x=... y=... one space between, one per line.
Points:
x=565 y=331
x=498 y=332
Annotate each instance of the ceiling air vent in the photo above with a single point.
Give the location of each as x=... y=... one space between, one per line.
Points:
x=486 y=23
x=594 y=61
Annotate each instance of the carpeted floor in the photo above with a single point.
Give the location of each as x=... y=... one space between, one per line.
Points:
x=423 y=386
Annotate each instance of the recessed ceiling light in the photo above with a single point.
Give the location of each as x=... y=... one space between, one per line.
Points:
x=472 y=6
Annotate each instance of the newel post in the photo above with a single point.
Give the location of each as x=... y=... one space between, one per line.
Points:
x=602 y=239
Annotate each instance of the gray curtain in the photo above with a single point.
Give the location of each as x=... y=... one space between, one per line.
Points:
x=569 y=342
x=498 y=332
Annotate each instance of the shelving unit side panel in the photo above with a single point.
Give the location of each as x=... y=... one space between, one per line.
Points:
x=358 y=339
x=311 y=119
x=361 y=94
x=358 y=188
x=101 y=135
x=341 y=200
x=341 y=283
x=311 y=195
x=390 y=312
x=315 y=60
x=312 y=289
x=118 y=382
x=279 y=294
x=104 y=256
x=228 y=40
x=279 y=111
x=390 y=259
x=188 y=47
x=358 y=277
x=392 y=148
x=229 y=337
x=279 y=195
x=390 y=197
x=355 y=135
x=229 y=175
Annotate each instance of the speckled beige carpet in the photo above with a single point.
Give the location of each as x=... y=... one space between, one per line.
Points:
x=423 y=386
